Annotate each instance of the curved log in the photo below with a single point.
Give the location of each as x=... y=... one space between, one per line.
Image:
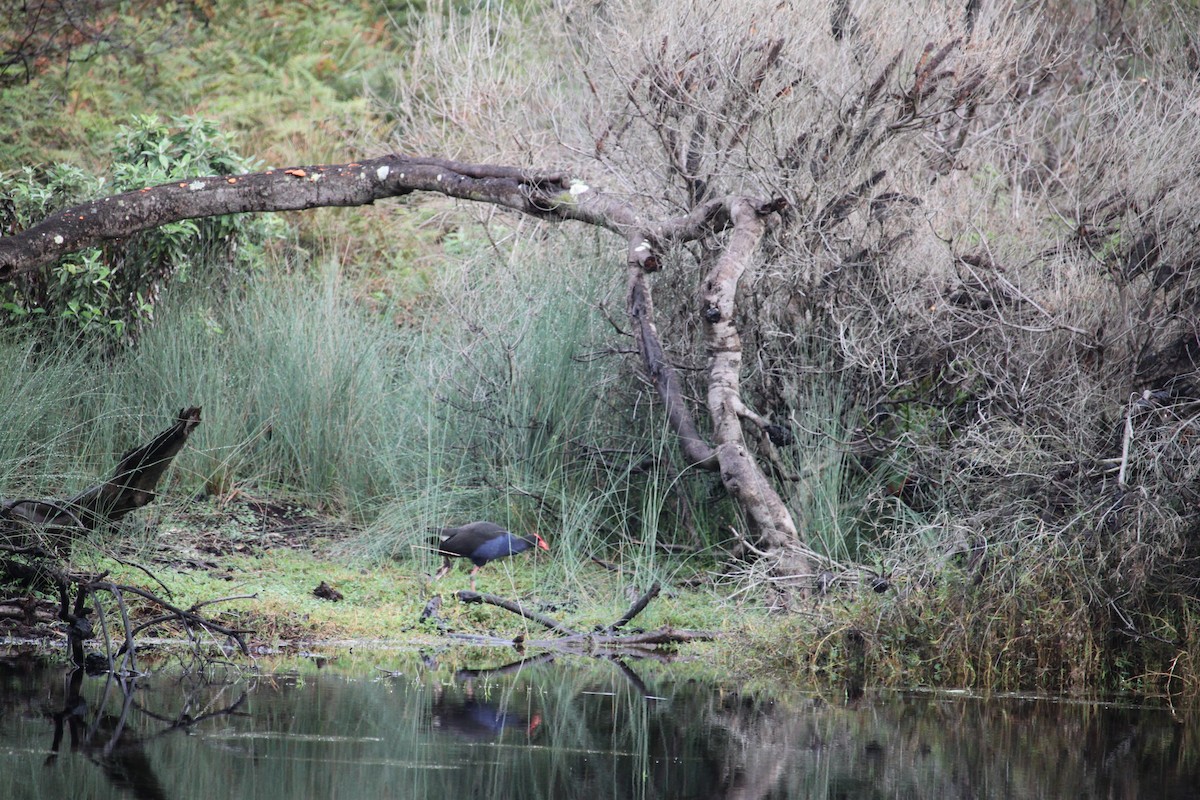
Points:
x=130 y=487
x=27 y=526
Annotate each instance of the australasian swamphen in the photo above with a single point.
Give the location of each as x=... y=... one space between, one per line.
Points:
x=482 y=542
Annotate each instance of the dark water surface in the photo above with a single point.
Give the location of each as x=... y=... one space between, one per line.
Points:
x=563 y=729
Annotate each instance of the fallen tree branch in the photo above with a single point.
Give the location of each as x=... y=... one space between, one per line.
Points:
x=35 y=567
x=664 y=635
x=131 y=486
x=600 y=643
x=186 y=617
x=196 y=619
x=469 y=597
x=586 y=643
x=21 y=609
x=636 y=608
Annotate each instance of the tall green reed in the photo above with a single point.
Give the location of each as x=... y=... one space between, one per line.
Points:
x=293 y=381
x=46 y=396
x=512 y=401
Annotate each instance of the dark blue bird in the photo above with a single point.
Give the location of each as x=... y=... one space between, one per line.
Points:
x=481 y=542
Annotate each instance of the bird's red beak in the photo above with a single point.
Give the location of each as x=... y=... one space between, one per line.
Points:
x=541 y=542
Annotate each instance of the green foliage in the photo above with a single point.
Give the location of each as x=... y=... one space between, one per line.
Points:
x=43 y=397
x=112 y=292
x=294 y=383
x=29 y=196
x=287 y=76
x=148 y=151
x=287 y=81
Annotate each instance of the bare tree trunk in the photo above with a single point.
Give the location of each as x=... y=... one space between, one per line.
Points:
x=771 y=522
x=698 y=452
x=553 y=196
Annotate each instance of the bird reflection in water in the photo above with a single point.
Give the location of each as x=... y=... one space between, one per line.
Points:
x=477 y=720
x=463 y=715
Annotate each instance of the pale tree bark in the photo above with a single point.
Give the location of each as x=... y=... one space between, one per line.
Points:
x=771 y=522
x=548 y=195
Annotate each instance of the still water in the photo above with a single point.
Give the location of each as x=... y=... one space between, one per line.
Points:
x=562 y=729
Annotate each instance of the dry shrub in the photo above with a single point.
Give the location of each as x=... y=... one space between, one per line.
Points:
x=988 y=257
x=478 y=86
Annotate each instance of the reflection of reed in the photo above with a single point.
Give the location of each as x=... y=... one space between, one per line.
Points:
x=566 y=729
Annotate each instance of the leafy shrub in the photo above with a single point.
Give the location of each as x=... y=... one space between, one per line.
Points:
x=111 y=291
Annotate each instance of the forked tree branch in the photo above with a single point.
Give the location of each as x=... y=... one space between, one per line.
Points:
x=607 y=639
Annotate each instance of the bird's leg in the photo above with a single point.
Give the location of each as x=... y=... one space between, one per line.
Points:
x=473 y=578
x=445 y=568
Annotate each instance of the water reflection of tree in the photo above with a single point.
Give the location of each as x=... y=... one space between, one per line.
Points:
x=645 y=738
x=615 y=734
x=757 y=746
x=613 y=729
x=115 y=741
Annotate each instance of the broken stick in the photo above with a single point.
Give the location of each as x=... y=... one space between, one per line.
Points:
x=466 y=596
